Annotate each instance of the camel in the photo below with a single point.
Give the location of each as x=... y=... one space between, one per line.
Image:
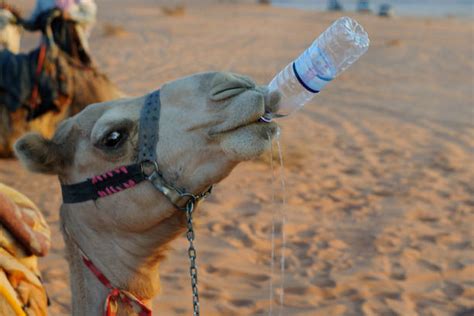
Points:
x=85 y=85
x=209 y=123
x=89 y=86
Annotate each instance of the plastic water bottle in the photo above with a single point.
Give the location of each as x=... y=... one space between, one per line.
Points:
x=329 y=55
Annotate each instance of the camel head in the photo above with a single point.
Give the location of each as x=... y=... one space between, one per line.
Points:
x=208 y=124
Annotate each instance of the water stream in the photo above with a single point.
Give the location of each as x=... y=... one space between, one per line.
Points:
x=272 y=205
x=278 y=212
x=283 y=222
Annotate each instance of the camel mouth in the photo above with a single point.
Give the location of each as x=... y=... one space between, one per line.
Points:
x=260 y=124
x=269 y=128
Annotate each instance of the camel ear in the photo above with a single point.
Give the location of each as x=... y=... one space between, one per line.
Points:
x=39 y=154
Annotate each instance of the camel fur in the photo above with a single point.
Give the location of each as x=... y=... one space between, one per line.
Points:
x=209 y=123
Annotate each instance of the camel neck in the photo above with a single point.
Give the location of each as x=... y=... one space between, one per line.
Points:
x=89 y=293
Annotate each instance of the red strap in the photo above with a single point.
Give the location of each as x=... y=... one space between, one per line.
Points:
x=39 y=68
x=115 y=294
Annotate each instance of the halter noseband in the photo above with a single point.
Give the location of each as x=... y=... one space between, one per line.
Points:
x=146 y=167
x=126 y=177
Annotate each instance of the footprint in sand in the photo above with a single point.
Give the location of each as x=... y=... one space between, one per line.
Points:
x=388 y=243
x=323 y=280
x=307 y=233
x=248 y=208
x=397 y=272
x=234 y=233
x=243 y=303
x=452 y=290
x=454 y=240
x=429 y=265
x=226 y=272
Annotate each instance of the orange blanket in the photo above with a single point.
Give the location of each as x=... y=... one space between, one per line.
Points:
x=24 y=235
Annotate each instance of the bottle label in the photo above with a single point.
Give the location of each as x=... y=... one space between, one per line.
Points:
x=313 y=72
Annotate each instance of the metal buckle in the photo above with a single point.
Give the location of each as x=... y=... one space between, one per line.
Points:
x=197 y=198
x=192 y=198
x=149 y=168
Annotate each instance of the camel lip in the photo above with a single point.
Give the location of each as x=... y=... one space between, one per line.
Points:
x=245 y=125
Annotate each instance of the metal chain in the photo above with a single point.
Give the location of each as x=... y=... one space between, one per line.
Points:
x=192 y=257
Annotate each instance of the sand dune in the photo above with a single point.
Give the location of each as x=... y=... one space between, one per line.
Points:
x=379 y=168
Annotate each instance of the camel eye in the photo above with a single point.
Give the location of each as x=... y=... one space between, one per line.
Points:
x=114 y=139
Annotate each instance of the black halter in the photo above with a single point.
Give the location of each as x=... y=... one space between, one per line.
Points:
x=146 y=168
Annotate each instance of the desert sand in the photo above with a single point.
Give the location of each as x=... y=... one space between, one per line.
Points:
x=379 y=168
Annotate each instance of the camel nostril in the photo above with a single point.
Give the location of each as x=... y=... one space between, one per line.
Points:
x=227 y=85
x=225 y=93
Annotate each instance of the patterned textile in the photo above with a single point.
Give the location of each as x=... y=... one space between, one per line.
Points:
x=23 y=233
x=24 y=220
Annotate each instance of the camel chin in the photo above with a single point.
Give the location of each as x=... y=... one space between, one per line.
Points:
x=249 y=141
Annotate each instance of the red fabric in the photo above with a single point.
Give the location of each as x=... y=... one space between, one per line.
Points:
x=39 y=68
x=115 y=294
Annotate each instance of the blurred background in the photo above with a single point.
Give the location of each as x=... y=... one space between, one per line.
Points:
x=425 y=8
x=379 y=167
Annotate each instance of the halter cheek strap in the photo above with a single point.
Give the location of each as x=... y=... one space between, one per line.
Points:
x=149 y=125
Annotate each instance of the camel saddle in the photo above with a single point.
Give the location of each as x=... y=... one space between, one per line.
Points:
x=24 y=235
x=39 y=80
x=18 y=78
x=24 y=221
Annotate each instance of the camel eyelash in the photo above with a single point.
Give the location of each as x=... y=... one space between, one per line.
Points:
x=115 y=136
x=113 y=139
